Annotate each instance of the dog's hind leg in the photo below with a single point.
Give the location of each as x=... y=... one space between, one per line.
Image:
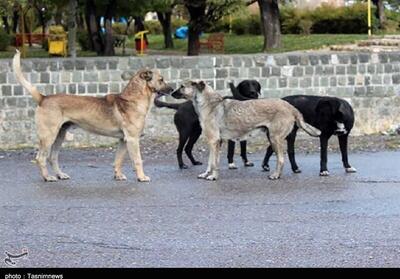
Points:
x=268 y=154
x=277 y=146
x=119 y=160
x=343 y=149
x=290 y=147
x=55 y=149
x=243 y=154
x=183 y=138
x=189 y=146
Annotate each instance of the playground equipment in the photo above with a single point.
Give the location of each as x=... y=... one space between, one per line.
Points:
x=57 y=41
x=141 y=42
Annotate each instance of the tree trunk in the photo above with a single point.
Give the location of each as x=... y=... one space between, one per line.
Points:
x=380 y=10
x=6 y=25
x=139 y=26
x=72 y=8
x=165 y=21
x=109 y=39
x=269 y=12
x=197 y=17
x=93 y=27
x=15 y=19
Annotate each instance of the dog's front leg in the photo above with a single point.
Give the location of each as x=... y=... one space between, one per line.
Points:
x=132 y=142
x=213 y=162
x=208 y=171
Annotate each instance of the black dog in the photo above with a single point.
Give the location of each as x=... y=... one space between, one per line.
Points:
x=333 y=116
x=187 y=123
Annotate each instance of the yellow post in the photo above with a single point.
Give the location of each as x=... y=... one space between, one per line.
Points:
x=141 y=36
x=369 y=18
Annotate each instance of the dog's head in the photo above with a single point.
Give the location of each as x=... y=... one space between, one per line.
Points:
x=152 y=78
x=331 y=112
x=250 y=89
x=190 y=90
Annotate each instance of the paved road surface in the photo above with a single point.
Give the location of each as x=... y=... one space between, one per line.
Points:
x=177 y=220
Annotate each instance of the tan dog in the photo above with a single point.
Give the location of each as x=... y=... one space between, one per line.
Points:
x=222 y=118
x=120 y=116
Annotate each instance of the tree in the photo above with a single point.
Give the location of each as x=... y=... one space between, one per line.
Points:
x=6 y=8
x=270 y=23
x=204 y=13
x=164 y=13
x=72 y=14
x=380 y=12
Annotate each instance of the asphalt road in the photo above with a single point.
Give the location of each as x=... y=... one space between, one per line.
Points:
x=177 y=220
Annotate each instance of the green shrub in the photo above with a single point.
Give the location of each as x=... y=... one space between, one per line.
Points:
x=5 y=40
x=305 y=26
x=82 y=36
x=177 y=22
x=247 y=25
x=153 y=26
x=326 y=19
x=390 y=26
x=119 y=28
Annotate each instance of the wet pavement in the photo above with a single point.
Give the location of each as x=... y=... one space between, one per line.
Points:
x=242 y=220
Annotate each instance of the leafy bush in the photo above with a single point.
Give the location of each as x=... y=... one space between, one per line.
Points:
x=326 y=19
x=82 y=36
x=5 y=40
x=119 y=28
x=247 y=25
x=305 y=26
x=153 y=26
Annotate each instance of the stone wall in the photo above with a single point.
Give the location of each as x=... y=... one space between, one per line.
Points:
x=369 y=81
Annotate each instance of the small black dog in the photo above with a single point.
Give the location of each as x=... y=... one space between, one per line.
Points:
x=333 y=116
x=187 y=123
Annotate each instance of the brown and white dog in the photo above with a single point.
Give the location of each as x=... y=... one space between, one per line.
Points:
x=223 y=119
x=121 y=116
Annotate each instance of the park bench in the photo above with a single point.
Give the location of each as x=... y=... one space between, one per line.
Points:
x=30 y=38
x=120 y=41
x=214 y=43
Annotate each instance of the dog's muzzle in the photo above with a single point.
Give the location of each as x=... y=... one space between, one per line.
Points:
x=165 y=91
x=341 y=130
x=177 y=94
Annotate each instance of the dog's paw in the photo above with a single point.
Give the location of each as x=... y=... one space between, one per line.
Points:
x=211 y=177
x=197 y=163
x=274 y=176
x=183 y=167
x=120 y=177
x=324 y=173
x=297 y=171
x=248 y=164
x=144 y=179
x=50 y=178
x=203 y=175
x=351 y=170
x=265 y=167
x=232 y=166
x=63 y=176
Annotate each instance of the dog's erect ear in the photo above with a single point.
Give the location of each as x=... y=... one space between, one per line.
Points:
x=127 y=75
x=200 y=85
x=146 y=75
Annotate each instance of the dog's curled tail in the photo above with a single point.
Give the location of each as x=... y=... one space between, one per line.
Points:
x=311 y=130
x=161 y=104
x=20 y=77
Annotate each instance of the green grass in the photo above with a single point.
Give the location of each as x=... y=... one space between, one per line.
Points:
x=233 y=44
x=254 y=44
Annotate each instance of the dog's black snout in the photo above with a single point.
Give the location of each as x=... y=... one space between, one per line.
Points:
x=177 y=93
